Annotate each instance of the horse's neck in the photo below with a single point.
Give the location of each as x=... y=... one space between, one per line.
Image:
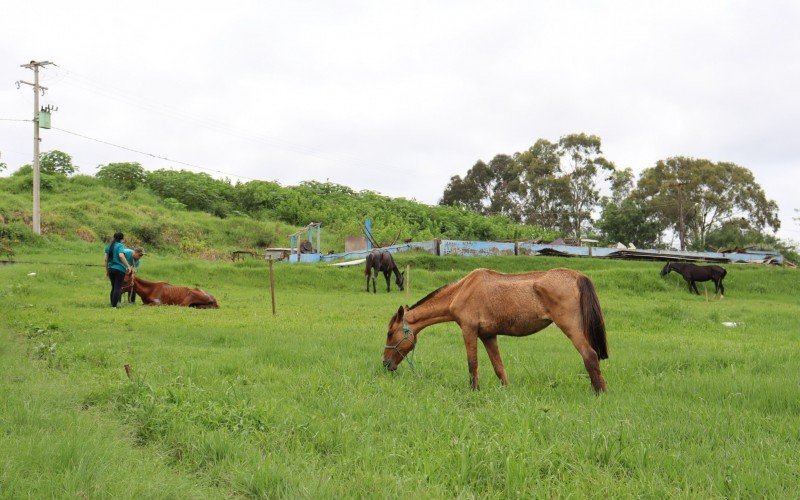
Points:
x=143 y=287
x=434 y=310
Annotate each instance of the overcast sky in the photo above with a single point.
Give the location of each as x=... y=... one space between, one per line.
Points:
x=397 y=97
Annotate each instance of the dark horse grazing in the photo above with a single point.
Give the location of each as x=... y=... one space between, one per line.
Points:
x=381 y=260
x=692 y=273
x=155 y=293
x=487 y=303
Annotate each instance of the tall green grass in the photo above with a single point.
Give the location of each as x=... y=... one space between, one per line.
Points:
x=238 y=402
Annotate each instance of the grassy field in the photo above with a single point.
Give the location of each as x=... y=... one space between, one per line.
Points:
x=236 y=402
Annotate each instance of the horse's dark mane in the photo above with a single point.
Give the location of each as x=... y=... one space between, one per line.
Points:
x=429 y=296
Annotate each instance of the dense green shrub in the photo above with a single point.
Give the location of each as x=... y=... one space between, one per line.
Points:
x=128 y=175
x=196 y=191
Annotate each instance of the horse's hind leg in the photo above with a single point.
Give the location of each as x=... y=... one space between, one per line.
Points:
x=490 y=343
x=573 y=330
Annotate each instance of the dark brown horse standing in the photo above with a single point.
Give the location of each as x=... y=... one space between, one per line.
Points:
x=488 y=303
x=155 y=293
x=381 y=261
x=692 y=273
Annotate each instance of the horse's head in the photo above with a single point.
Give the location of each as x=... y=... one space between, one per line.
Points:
x=400 y=280
x=666 y=269
x=127 y=281
x=400 y=340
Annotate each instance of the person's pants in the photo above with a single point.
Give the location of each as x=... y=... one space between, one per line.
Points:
x=116 y=278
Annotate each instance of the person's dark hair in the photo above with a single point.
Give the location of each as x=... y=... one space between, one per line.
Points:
x=117 y=238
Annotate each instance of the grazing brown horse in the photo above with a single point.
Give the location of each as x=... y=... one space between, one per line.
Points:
x=156 y=293
x=381 y=260
x=692 y=273
x=488 y=303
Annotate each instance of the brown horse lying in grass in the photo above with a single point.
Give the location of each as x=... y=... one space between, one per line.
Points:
x=161 y=293
x=487 y=303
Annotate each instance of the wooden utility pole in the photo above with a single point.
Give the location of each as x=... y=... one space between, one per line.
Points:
x=408 y=281
x=35 y=65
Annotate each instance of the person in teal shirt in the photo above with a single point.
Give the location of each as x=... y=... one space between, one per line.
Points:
x=116 y=266
x=134 y=257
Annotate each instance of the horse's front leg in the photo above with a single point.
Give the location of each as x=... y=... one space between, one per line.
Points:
x=471 y=343
x=490 y=343
x=387 y=275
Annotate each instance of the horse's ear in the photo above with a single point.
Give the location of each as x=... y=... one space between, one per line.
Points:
x=400 y=313
x=403 y=273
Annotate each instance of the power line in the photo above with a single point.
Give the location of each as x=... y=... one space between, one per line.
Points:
x=13 y=120
x=90 y=85
x=152 y=155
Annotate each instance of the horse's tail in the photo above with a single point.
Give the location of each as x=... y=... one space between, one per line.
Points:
x=594 y=326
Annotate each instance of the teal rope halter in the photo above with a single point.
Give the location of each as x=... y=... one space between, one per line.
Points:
x=411 y=337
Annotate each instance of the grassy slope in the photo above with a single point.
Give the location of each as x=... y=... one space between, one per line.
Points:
x=236 y=401
x=84 y=211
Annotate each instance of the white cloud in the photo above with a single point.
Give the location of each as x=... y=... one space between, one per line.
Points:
x=398 y=97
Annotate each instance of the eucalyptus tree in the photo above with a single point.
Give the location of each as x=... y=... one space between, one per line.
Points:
x=546 y=190
x=496 y=188
x=695 y=196
x=583 y=164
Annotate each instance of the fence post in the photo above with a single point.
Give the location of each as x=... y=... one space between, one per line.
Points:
x=272 y=285
x=408 y=281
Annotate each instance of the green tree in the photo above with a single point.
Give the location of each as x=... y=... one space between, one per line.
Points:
x=546 y=190
x=198 y=191
x=629 y=221
x=492 y=189
x=255 y=196
x=56 y=162
x=582 y=163
x=695 y=196
x=507 y=188
x=462 y=193
x=622 y=184
x=740 y=233
x=127 y=175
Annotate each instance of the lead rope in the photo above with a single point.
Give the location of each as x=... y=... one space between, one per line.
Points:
x=411 y=362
